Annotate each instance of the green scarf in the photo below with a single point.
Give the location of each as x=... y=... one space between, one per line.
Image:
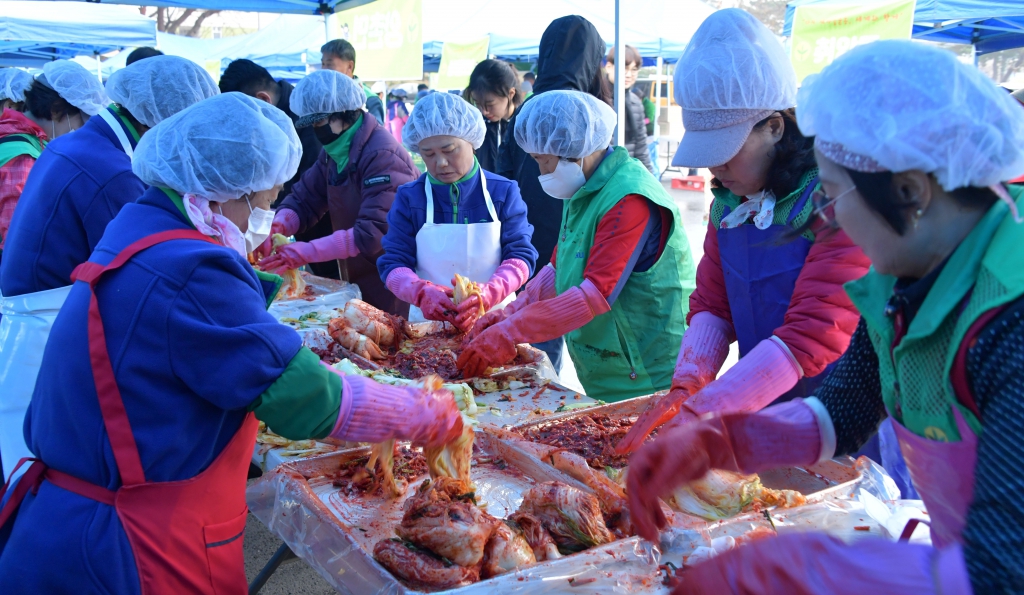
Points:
x=339 y=149
x=454 y=194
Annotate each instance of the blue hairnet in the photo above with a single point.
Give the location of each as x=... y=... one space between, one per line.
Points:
x=75 y=84
x=568 y=124
x=220 y=148
x=159 y=87
x=443 y=114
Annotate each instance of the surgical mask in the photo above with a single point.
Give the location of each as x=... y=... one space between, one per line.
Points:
x=260 y=222
x=565 y=181
x=325 y=135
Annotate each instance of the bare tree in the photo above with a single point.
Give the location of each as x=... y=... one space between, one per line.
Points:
x=770 y=12
x=1002 y=66
x=171 y=20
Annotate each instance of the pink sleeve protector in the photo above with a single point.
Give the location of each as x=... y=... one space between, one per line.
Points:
x=759 y=378
x=374 y=412
x=703 y=351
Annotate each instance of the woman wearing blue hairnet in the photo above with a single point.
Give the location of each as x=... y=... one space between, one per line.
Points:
x=618 y=282
x=455 y=219
x=165 y=335
x=913 y=147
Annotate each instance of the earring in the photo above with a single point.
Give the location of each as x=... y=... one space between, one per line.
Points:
x=917 y=217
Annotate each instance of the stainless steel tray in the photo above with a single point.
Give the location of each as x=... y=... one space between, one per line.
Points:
x=828 y=480
x=335 y=534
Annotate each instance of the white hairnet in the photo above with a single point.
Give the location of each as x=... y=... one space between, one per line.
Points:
x=324 y=92
x=443 y=114
x=569 y=124
x=734 y=62
x=13 y=84
x=76 y=85
x=159 y=87
x=220 y=148
x=909 y=106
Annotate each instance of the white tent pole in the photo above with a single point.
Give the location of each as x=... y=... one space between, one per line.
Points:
x=327 y=28
x=657 y=96
x=99 y=67
x=620 y=78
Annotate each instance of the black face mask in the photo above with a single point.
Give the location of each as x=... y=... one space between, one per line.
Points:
x=325 y=135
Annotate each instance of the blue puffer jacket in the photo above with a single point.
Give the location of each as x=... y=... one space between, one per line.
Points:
x=461 y=202
x=75 y=189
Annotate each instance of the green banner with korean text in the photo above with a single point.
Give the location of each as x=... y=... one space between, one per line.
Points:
x=387 y=36
x=823 y=32
x=458 y=61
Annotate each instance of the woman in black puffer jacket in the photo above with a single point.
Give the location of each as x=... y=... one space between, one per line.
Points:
x=636 y=129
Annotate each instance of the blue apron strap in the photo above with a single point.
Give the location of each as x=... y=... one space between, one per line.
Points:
x=633 y=258
x=800 y=202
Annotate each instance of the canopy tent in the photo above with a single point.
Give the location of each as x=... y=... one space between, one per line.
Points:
x=988 y=25
x=283 y=6
x=657 y=28
x=31 y=35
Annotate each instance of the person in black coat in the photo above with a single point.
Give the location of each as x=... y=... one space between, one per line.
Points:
x=245 y=76
x=494 y=90
x=569 y=58
x=636 y=127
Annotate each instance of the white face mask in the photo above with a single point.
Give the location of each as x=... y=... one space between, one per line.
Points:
x=565 y=181
x=260 y=221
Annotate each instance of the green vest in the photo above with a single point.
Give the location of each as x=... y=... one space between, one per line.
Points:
x=632 y=349
x=988 y=266
x=15 y=145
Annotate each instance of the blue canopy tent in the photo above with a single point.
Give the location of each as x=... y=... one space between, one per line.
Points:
x=988 y=25
x=31 y=35
x=282 y=6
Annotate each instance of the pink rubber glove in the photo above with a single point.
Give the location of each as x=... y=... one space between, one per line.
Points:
x=374 y=412
x=337 y=246
x=435 y=301
x=540 y=288
x=702 y=352
x=540 y=321
x=507 y=278
x=760 y=377
x=286 y=223
x=788 y=434
x=813 y=563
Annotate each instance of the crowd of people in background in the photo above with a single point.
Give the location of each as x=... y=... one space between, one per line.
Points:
x=862 y=249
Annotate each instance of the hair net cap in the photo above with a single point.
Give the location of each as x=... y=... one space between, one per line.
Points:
x=443 y=114
x=76 y=85
x=733 y=74
x=13 y=84
x=159 y=87
x=220 y=148
x=324 y=92
x=907 y=106
x=569 y=124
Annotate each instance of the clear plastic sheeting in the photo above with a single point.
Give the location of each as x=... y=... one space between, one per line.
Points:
x=334 y=534
x=315 y=311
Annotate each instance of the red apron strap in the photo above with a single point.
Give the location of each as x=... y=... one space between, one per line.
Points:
x=29 y=481
x=115 y=419
x=958 y=374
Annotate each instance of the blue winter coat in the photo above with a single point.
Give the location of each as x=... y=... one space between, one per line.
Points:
x=409 y=213
x=76 y=187
x=192 y=346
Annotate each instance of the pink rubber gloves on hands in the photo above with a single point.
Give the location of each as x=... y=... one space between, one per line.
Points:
x=507 y=278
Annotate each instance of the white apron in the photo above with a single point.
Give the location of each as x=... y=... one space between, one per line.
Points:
x=25 y=325
x=472 y=250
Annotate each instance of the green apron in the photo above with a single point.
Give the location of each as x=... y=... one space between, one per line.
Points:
x=984 y=272
x=631 y=350
x=16 y=145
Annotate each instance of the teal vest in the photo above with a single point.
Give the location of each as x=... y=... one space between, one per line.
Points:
x=986 y=271
x=15 y=145
x=631 y=350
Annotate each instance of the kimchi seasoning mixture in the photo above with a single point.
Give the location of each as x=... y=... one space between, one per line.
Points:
x=592 y=436
x=354 y=478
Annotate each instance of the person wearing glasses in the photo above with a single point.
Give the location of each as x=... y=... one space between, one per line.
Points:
x=767 y=279
x=914 y=147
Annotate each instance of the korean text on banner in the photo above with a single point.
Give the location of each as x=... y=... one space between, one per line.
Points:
x=823 y=32
x=387 y=36
x=458 y=61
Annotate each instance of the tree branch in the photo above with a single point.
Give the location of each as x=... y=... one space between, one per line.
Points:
x=196 y=27
x=173 y=26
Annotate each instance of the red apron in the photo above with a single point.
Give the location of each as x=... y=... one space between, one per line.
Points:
x=186 y=535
